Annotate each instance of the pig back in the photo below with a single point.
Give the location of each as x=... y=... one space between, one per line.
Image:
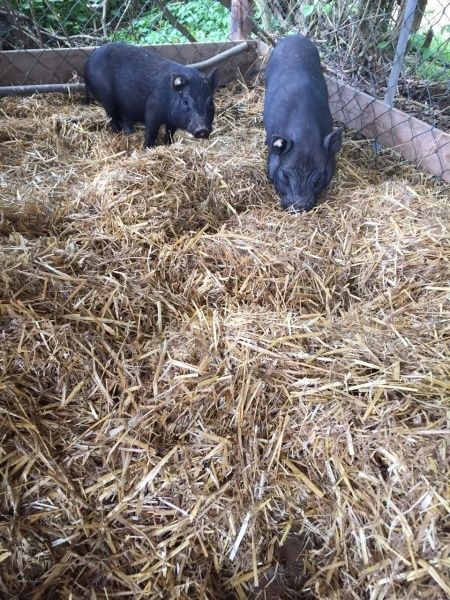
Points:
x=296 y=92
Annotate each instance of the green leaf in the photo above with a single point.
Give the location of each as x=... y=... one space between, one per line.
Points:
x=307 y=9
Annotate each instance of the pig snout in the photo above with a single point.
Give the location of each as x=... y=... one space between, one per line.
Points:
x=202 y=133
x=295 y=195
x=302 y=204
x=200 y=126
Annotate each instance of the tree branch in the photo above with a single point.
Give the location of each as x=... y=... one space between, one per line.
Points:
x=173 y=20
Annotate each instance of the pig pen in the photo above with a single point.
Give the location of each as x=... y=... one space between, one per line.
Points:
x=203 y=396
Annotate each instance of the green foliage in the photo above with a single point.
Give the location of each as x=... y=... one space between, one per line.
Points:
x=207 y=20
x=261 y=19
x=308 y=9
x=434 y=58
x=317 y=8
x=384 y=44
x=61 y=16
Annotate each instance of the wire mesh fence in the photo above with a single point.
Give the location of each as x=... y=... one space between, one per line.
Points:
x=30 y=28
x=358 y=41
x=396 y=52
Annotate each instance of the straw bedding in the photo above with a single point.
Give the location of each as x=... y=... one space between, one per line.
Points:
x=203 y=396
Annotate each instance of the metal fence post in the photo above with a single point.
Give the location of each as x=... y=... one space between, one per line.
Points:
x=400 y=52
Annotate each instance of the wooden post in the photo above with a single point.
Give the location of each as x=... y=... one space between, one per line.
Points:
x=241 y=20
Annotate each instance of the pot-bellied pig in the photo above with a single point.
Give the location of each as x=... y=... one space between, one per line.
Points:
x=297 y=119
x=137 y=85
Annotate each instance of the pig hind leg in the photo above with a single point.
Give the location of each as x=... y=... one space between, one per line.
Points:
x=115 y=119
x=112 y=112
x=87 y=94
x=127 y=126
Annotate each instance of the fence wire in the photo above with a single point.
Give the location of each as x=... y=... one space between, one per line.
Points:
x=358 y=42
x=358 y=39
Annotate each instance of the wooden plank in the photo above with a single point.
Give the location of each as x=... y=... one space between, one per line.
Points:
x=61 y=65
x=28 y=67
x=413 y=139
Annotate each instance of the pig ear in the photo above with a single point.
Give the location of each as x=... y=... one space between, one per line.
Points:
x=333 y=141
x=214 y=78
x=279 y=145
x=178 y=81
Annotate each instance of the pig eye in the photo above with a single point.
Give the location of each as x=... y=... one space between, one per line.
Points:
x=317 y=180
x=185 y=103
x=283 y=177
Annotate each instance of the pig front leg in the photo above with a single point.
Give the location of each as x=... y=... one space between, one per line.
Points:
x=151 y=133
x=170 y=132
x=150 y=136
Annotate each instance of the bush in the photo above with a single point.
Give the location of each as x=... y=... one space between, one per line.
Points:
x=433 y=55
x=207 y=21
x=60 y=16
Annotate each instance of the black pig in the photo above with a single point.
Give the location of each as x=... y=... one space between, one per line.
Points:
x=298 y=124
x=136 y=85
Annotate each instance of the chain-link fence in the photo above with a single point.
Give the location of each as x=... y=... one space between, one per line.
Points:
x=358 y=41
x=44 y=43
x=387 y=61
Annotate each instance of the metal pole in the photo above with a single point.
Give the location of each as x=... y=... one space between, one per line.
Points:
x=27 y=90
x=400 y=52
x=218 y=58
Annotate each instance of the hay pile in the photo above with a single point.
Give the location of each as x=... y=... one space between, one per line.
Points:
x=203 y=396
